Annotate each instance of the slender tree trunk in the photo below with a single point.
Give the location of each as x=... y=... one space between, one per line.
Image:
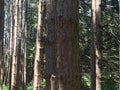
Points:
x=6 y=53
x=11 y=42
x=19 y=41
x=1 y=40
x=98 y=53
x=95 y=49
x=25 y=46
x=7 y=46
x=14 y=75
x=39 y=49
x=62 y=47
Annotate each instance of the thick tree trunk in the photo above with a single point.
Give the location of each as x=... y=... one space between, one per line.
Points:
x=95 y=46
x=50 y=45
x=1 y=40
x=62 y=47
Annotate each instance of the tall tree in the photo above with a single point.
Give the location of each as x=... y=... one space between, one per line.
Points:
x=95 y=46
x=19 y=41
x=39 y=48
x=1 y=40
x=14 y=76
x=99 y=45
x=50 y=44
x=62 y=47
x=25 y=45
x=11 y=42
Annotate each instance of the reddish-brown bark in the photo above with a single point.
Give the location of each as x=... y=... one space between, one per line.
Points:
x=62 y=47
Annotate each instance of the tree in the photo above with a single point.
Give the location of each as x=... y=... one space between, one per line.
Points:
x=11 y=42
x=1 y=40
x=14 y=76
x=109 y=32
x=62 y=47
x=39 y=48
x=95 y=49
x=25 y=45
x=53 y=25
x=99 y=45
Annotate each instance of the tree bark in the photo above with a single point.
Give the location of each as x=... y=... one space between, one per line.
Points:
x=98 y=52
x=62 y=47
x=14 y=76
x=1 y=40
x=95 y=46
x=25 y=46
x=50 y=45
x=39 y=48
x=11 y=42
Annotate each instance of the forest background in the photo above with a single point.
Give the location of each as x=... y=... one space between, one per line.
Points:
x=19 y=20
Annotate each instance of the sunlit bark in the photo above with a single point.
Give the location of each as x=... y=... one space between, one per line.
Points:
x=95 y=46
x=39 y=49
x=14 y=75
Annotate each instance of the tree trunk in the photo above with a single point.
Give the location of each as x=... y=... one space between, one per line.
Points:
x=98 y=53
x=19 y=41
x=1 y=40
x=95 y=46
x=11 y=42
x=39 y=49
x=62 y=47
x=14 y=75
x=25 y=46
x=50 y=45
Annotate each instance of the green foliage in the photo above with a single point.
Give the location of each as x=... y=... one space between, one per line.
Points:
x=85 y=82
x=43 y=84
x=29 y=87
x=110 y=32
x=110 y=84
x=32 y=29
x=5 y=87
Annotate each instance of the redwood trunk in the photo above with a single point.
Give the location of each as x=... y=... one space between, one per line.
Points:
x=62 y=47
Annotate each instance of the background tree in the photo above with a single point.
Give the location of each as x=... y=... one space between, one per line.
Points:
x=1 y=40
x=106 y=36
x=15 y=70
x=95 y=46
x=39 y=48
x=56 y=10
x=11 y=42
x=25 y=45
